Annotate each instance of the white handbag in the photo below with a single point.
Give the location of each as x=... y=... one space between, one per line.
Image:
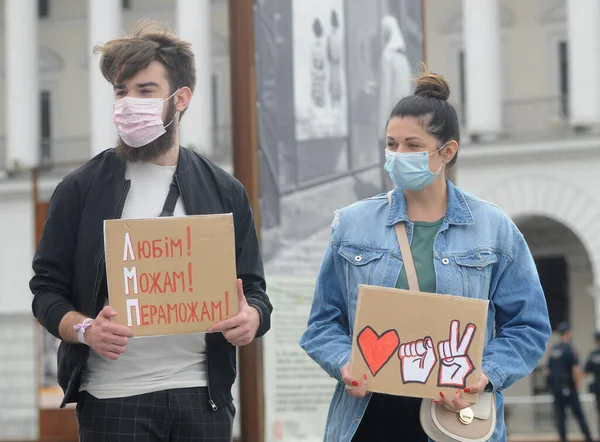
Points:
x=473 y=424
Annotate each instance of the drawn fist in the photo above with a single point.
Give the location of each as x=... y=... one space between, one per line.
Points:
x=455 y=363
x=417 y=360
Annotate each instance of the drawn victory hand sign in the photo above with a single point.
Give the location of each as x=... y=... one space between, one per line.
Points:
x=417 y=360
x=455 y=363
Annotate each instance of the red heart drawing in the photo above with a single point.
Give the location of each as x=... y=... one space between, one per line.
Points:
x=376 y=349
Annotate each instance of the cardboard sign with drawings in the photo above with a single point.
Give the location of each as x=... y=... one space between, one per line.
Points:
x=171 y=275
x=417 y=344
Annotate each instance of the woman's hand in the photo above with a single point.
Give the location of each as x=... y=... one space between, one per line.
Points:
x=354 y=388
x=455 y=402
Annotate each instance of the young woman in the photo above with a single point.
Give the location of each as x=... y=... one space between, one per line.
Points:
x=460 y=245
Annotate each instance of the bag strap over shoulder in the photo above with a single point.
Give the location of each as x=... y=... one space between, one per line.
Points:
x=171 y=201
x=409 y=265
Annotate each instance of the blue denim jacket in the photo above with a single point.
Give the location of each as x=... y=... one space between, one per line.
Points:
x=478 y=253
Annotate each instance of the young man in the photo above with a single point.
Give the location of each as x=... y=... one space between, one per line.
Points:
x=592 y=367
x=564 y=378
x=167 y=388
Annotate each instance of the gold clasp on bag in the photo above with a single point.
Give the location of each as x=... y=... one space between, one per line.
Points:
x=466 y=416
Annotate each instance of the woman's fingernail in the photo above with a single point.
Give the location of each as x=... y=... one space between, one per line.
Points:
x=436 y=401
x=365 y=377
x=458 y=391
x=467 y=390
x=355 y=383
x=442 y=394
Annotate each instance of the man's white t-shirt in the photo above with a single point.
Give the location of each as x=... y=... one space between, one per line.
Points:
x=149 y=363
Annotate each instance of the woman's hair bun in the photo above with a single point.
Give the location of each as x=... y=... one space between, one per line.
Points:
x=432 y=86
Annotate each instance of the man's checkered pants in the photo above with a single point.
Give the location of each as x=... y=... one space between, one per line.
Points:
x=179 y=415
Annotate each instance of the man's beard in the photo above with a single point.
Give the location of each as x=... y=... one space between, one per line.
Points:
x=154 y=149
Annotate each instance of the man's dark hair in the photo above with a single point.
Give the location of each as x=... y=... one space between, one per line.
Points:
x=124 y=56
x=564 y=328
x=334 y=19
x=317 y=27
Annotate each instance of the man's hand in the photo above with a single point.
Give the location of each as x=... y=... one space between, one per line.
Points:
x=241 y=329
x=577 y=376
x=354 y=387
x=105 y=338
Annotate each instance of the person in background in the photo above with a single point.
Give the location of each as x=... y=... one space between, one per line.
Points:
x=564 y=378
x=460 y=245
x=318 y=73
x=334 y=56
x=172 y=388
x=592 y=367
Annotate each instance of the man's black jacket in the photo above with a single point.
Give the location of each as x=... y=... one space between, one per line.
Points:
x=69 y=263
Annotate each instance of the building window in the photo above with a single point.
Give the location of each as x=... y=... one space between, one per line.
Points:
x=563 y=78
x=45 y=129
x=126 y=4
x=554 y=276
x=43 y=8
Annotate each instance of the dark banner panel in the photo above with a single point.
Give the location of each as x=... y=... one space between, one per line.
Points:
x=328 y=72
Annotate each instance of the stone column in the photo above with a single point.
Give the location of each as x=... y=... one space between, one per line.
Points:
x=104 y=24
x=194 y=25
x=481 y=36
x=22 y=99
x=583 y=49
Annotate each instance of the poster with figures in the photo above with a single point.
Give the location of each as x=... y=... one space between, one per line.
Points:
x=430 y=343
x=319 y=65
x=319 y=76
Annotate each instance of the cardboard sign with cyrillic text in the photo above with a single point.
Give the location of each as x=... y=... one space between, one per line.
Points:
x=417 y=344
x=171 y=275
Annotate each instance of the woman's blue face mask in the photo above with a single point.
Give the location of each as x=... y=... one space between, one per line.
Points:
x=410 y=171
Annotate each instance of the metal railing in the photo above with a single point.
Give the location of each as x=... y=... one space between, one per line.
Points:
x=534 y=415
x=539 y=118
x=77 y=149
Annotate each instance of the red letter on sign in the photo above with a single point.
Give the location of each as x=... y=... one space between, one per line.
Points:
x=144 y=315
